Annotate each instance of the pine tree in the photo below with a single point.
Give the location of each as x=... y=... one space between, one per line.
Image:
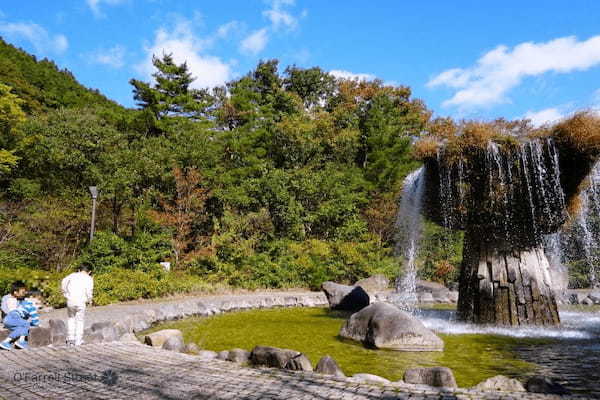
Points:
x=171 y=95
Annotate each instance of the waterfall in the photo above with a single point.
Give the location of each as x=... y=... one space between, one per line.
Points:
x=409 y=226
x=587 y=220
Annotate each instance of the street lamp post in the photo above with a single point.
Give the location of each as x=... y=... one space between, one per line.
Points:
x=94 y=193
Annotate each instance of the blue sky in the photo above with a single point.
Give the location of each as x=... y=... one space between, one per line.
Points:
x=468 y=59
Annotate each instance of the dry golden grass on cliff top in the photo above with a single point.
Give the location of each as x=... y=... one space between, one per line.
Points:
x=581 y=131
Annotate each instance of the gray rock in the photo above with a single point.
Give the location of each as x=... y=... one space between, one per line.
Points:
x=369 y=378
x=436 y=376
x=92 y=337
x=271 y=356
x=58 y=331
x=384 y=326
x=207 y=355
x=453 y=296
x=128 y=337
x=441 y=296
x=108 y=331
x=373 y=284
x=328 y=366
x=223 y=355
x=595 y=296
x=157 y=339
x=344 y=297
x=38 y=336
x=174 y=343
x=428 y=286
x=238 y=356
x=425 y=297
x=191 y=348
x=500 y=383
x=546 y=385
x=299 y=363
x=587 y=302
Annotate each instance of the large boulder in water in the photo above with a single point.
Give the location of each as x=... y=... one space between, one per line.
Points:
x=384 y=326
x=344 y=297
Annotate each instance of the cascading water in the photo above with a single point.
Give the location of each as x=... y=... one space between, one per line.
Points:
x=409 y=228
x=587 y=221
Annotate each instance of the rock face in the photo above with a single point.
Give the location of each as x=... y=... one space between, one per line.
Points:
x=328 y=366
x=544 y=384
x=500 y=383
x=505 y=288
x=174 y=343
x=344 y=297
x=384 y=326
x=374 y=284
x=157 y=339
x=436 y=376
x=279 y=358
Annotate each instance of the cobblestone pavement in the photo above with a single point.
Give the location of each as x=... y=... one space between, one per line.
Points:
x=135 y=371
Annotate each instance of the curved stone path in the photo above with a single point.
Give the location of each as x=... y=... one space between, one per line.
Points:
x=135 y=371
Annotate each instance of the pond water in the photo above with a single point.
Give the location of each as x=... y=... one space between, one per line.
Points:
x=570 y=353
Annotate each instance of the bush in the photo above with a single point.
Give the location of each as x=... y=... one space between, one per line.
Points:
x=143 y=251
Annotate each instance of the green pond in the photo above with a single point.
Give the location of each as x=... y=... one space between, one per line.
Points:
x=314 y=331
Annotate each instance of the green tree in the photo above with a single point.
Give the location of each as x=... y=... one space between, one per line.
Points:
x=11 y=115
x=171 y=94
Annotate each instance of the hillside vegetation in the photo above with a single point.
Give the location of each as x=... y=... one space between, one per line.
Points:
x=279 y=179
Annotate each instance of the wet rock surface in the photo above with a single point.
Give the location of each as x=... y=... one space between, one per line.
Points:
x=384 y=326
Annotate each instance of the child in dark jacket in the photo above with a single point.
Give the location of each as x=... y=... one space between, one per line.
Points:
x=20 y=319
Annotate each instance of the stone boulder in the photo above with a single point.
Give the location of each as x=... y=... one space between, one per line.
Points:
x=279 y=358
x=369 y=378
x=546 y=385
x=500 y=383
x=238 y=356
x=174 y=343
x=191 y=348
x=223 y=355
x=58 y=331
x=299 y=363
x=157 y=339
x=425 y=297
x=207 y=355
x=344 y=297
x=374 y=284
x=107 y=329
x=38 y=336
x=595 y=296
x=328 y=366
x=384 y=326
x=436 y=376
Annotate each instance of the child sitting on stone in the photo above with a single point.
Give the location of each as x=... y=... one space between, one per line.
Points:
x=21 y=314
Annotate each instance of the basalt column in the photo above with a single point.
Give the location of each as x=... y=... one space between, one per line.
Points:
x=505 y=196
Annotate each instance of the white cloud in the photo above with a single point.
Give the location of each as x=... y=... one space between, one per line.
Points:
x=256 y=42
x=42 y=41
x=545 y=116
x=498 y=71
x=351 y=75
x=208 y=70
x=224 y=30
x=279 y=16
x=113 y=57
x=95 y=5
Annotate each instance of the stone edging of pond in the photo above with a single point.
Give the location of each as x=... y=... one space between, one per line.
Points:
x=109 y=323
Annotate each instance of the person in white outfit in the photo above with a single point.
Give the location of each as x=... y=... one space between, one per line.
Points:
x=78 y=289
